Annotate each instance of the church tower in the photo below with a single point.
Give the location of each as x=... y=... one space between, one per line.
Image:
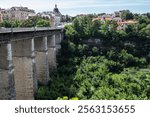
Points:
x=55 y=5
x=57 y=16
x=56 y=10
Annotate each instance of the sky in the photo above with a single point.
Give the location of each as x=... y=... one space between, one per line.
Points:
x=73 y=7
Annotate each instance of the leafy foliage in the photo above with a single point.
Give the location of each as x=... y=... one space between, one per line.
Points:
x=97 y=61
x=31 y=22
x=95 y=80
x=127 y=15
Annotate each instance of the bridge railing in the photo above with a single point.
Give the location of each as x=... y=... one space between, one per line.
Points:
x=9 y=30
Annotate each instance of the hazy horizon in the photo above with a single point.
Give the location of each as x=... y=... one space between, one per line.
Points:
x=75 y=7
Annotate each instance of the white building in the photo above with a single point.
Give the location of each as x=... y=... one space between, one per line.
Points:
x=57 y=16
x=1 y=16
x=19 y=13
x=54 y=16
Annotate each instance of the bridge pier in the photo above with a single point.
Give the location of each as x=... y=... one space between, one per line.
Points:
x=41 y=53
x=24 y=73
x=52 y=52
x=7 y=84
x=58 y=38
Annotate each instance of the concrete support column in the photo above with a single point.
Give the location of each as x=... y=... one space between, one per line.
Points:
x=7 y=84
x=58 y=39
x=24 y=74
x=52 y=52
x=42 y=66
x=35 y=80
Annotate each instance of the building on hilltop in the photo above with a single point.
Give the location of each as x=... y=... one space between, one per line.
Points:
x=54 y=16
x=121 y=23
x=57 y=16
x=3 y=15
x=117 y=14
x=23 y=13
x=56 y=11
x=45 y=15
x=19 y=13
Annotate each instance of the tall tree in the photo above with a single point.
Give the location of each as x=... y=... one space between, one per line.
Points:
x=126 y=15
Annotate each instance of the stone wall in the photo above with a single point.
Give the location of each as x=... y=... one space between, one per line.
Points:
x=41 y=58
x=23 y=73
x=51 y=42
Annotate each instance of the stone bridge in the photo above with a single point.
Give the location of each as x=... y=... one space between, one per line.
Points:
x=26 y=56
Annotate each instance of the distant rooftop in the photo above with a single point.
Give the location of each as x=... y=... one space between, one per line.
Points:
x=15 y=8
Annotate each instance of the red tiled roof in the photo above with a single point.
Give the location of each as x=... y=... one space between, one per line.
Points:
x=128 y=22
x=119 y=22
x=103 y=18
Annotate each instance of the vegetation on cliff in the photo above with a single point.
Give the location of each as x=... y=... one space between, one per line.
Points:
x=97 y=61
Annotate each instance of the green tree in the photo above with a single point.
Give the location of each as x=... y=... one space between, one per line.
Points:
x=16 y=23
x=115 y=68
x=70 y=33
x=6 y=24
x=146 y=31
x=43 y=23
x=94 y=80
x=27 y=23
x=83 y=26
x=126 y=15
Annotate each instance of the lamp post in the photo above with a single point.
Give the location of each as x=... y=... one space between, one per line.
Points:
x=11 y=29
x=34 y=25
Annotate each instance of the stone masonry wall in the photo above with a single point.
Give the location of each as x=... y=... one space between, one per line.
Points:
x=23 y=73
x=51 y=52
x=41 y=58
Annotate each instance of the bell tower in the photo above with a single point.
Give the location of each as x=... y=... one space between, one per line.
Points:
x=55 y=5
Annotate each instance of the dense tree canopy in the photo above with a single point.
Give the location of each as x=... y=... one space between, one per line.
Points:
x=97 y=61
x=94 y=79
x=31 y=22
